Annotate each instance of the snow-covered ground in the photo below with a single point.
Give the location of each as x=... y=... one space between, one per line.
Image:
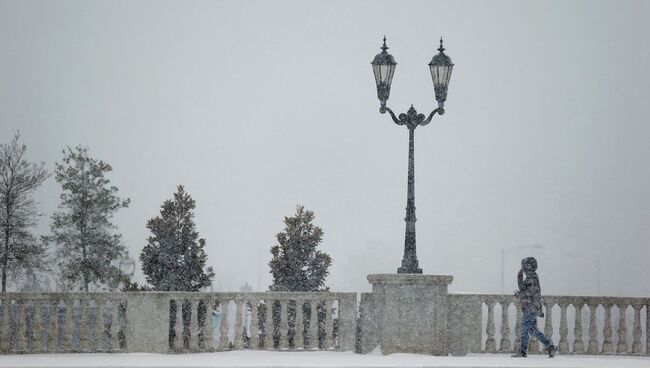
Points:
x=259 y=359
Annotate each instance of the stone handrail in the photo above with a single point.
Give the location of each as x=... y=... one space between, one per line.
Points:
x=181 y=322
x=149 y=321
x=599 y=316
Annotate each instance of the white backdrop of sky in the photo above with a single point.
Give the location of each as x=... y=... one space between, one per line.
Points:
x=256 y=106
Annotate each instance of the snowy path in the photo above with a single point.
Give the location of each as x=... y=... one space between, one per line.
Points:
x=260 y=359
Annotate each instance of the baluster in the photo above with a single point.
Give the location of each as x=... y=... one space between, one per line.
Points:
x=69 y=325
x=548 y=321
x=636 y=343
x=89 y=325
x=329 y=325
x=99 y=324
x=123 y=307
x=647 y=329
x=18 y=336
x=268 y=325
x=75 y=331
x=61 y=326
x=299 y=339
x=593 y=331
x=313 y=325
x=490 y=343
x=51 y=333
x=607 y=330
x=505 y=327
x=194 y=325
x=84 y=322
x=284 y=325
x=179 y=326
x=44 y=325
x=518 y=312
x=224 y=343
x=37 y=335
x=30 y=316
x=239 y=326
x=504 y=345
x=621 y=347
x=208 y=327
x=255 y=325
x=578 y=345
x=5 y=324
x=533 y=344
x=108 y=323
x=114 y=343
x=563 y=345
x=30 y=313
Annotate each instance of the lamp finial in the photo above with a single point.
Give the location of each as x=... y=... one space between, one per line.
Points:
x=441 y=49
x=384 y=47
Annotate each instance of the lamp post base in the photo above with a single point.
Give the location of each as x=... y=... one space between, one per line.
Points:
x=409 y=270
x=406 y=314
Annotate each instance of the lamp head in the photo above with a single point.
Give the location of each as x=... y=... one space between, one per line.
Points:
x=383 y=65
x=441 y=67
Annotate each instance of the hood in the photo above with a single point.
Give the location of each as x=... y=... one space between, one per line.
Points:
x=529 y=264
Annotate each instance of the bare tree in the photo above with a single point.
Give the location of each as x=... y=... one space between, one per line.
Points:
x=21 y=251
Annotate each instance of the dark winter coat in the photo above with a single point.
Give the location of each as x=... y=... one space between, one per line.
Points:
x=529 y=294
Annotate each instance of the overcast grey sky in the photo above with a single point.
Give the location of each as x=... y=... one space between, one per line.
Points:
x=256 y=106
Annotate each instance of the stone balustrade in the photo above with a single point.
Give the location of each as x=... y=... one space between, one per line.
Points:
x=62 y=322
x=576 y=324
x=199 y=322
x=176 y=321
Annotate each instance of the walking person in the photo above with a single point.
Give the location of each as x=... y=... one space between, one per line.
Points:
x=530 y=300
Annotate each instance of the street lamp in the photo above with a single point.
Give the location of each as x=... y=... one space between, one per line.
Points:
x=127 y=265
x=384 y=68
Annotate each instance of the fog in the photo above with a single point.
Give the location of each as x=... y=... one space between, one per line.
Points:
x=258 y=106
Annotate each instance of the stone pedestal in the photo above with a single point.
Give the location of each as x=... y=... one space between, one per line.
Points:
x=407 y=313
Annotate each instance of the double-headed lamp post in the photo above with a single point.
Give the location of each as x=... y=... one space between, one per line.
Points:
x=384 y=67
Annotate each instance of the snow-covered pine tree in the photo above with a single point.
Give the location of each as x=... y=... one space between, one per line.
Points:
x=174 y=257
x=296 y=264
x=21 y=253
x=88 y=244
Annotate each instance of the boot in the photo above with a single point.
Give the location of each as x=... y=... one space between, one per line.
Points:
x=520 y=354
x=552 y=351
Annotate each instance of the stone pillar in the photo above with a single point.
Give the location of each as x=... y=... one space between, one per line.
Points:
x=347 y=323
x=147 y=322
x=412 y=312
x=464 y=330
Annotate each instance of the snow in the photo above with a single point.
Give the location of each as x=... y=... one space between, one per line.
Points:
x=275 y=359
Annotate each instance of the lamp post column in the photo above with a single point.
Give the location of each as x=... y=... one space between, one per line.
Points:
x=410 y=259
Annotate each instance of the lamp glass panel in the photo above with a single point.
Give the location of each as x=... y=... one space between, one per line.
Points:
x=390 y=74
x=385 y=72
x=375 y=69
x=440 y=75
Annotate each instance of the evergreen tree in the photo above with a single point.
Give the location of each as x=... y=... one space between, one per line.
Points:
x=174 y=257
x=21 y=253
x=88 y=245
x=296 y=264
